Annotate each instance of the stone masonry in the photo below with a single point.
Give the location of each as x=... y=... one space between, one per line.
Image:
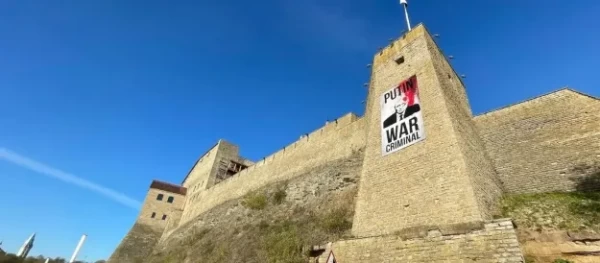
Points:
x=496 y=241
x=536 y=145
x=154 y=217
x=457 y=187
x=430 y=202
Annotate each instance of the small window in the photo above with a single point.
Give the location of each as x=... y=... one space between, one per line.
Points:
x=164 y=217
x=400 y=60
x=153 y=215
x=170 y=199
x=160 y=197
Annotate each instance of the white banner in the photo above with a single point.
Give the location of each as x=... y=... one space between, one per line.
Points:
x=401 y=117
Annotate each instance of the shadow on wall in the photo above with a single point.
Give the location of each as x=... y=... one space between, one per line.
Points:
x=587 y=182
x=587 y=177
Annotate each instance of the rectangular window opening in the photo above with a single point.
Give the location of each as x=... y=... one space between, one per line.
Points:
x=164 y=217
x=170 y=199
x=153 y=215
x=159 y=197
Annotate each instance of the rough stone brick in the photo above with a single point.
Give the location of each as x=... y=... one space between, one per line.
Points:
x=457 y=186
x=383 y=249
x=447 y=185
x=146 y=231
x=537 y=145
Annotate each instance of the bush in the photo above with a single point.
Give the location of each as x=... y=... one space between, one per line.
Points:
x=529 y=259
x=282 y=244
x=336 y=221
x=255 y=201
x=279 y=196
x=194 y=238
x=560 y=260
x=263 y=225
x=173 y=257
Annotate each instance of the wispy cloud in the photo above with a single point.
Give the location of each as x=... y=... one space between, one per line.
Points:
x=46 y=170
x=330 y=23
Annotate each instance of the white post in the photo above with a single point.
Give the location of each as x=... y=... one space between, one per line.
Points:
x=77 y=248
x=47 y=260
x=405 y=4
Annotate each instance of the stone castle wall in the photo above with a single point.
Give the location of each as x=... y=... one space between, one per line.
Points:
x=537 y=145
x=486 y=186
x=173 y=222
x=438 y=192
x=150 y=225
x=211 y=169
x=337 y=140
x=159 y=208
x=197 y=178
x=495 y=242
x=203 y=173
x=429 y=184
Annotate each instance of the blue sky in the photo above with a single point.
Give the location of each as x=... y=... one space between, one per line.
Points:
x=121 y=92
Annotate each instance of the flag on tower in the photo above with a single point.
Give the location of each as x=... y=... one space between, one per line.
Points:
x=405 y=4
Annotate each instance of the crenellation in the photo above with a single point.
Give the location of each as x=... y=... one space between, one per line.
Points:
x=432 y=201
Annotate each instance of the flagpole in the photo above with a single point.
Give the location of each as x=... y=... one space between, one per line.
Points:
x=78 y=248
x=405 y=4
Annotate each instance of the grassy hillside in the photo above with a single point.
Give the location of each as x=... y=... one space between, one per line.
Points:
x=577 y=211
x=550 y=225
x=136 y=245
x=276 y=224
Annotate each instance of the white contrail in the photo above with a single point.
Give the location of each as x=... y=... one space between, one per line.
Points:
x=68 y=178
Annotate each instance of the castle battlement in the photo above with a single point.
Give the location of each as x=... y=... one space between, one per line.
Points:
x=337 y=139
x=427 y=165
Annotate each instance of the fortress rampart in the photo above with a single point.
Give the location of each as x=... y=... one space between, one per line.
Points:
x=444 y=188
x=338 y=139
x=537 y=145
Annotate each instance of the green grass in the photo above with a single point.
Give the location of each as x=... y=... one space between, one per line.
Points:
x=174 y=256
x=279 y=196
x=336 y=221
x=564 y=211
x=195 y=237
x=272 y=239
x=282 y=243
x=529 y=259
x=255 y=201
x=264 y=226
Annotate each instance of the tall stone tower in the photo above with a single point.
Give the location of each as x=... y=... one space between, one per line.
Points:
x=425 y=167
x=161 y=209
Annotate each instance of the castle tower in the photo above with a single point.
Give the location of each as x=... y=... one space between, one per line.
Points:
x=214 y=166
x=162 y=202
x=425 y=167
